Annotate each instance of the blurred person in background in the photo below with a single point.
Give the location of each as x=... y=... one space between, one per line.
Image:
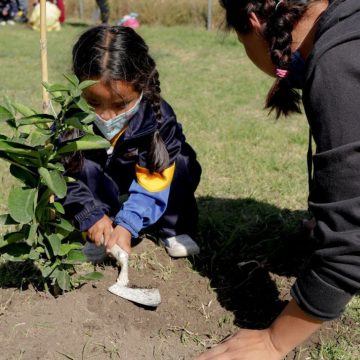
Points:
x=104 y=10
x=8 y=10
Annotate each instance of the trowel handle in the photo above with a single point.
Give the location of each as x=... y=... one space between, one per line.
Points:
x=122 y=257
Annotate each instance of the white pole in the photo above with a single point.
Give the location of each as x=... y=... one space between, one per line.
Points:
x=43 y=51
x=209 y=15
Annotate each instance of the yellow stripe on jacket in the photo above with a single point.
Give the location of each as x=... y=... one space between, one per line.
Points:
x=154 y=182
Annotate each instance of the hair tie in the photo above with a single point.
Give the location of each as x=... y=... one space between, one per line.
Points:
x=281 y=73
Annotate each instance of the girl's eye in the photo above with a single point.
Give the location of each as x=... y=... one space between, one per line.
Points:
x=121 y=106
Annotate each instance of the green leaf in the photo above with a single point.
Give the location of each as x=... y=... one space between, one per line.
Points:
x=64 y=225
x=57 y=166
x=55 y=87
x=70 y=250
x=63 y=280
x=55 y=243
x=23 y=175
x=37 y=138
x=87 y=142
x=21 y=161
x=82 y=104
x=5 y=114
x=84 y=84
x=91 y=276
x=34 y=255
x=72 y=79
x=48 y=268
x=59 y=208
x=16 y=147
x=21 y=204
x=36 y=119
x=31 y=237
x=11 y=238
x=74 y=122
x=89 y=119
x=54 y=180
x=18 y=252
x=23 y=109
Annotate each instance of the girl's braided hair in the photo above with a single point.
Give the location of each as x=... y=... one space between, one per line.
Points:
x=119 y=53
x=278 y=18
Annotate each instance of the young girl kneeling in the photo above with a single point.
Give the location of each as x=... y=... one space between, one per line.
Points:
x=149 y=158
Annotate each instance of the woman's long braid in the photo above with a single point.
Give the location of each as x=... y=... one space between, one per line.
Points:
x=282 y=97
x=158 y=155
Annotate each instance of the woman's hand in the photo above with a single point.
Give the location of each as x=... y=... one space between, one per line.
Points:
x=245 y=345
x=289 y=329
x=119 y=236
x=101 y=231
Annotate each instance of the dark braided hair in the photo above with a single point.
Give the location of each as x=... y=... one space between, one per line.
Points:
x=119 y=53
x=278 y=19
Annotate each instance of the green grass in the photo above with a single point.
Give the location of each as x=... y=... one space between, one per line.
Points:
x=253 y=191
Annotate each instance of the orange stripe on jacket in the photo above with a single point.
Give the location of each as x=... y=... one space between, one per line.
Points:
x=154 y=182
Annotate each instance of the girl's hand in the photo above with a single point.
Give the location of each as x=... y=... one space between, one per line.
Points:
x=121 y=237
x=245 y=345
x=100 y=232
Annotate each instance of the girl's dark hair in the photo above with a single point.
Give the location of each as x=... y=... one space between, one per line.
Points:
x=119 y=53
x=278 y=18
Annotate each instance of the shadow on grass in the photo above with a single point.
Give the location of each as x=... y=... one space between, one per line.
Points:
x=260 y=237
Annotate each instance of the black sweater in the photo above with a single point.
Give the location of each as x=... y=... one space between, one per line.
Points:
x=331 y=99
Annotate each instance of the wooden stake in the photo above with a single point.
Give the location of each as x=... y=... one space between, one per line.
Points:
x=43 y=51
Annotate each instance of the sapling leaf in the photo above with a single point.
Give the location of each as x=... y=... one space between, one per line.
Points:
x=58 y=207
x=95 y=275
x=5 y=114
x=87 y=142
x=52 y=88
x=16 y=147
x=72 y=79
x=69 y=249
x=55 y=243
x=54 y=180
x=36 y=119
x=38 y=138
x=82 y=104
x=18 y=252
x=89 y=119
x=31 y=236
x=23 y=109
x=27 y=177
x=84 y=84
x=63 y=280
x=34 y=255
x=75 y=257
x=56 y=166
x=63 y=225
x=11 y=238
x=21 y=204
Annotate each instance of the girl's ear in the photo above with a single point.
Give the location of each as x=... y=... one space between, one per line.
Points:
x=255 y=22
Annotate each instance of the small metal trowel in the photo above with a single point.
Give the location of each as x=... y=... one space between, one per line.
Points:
x=146 y=297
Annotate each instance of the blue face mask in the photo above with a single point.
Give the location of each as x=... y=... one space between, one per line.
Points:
x=297 y=70
x=110 y=128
